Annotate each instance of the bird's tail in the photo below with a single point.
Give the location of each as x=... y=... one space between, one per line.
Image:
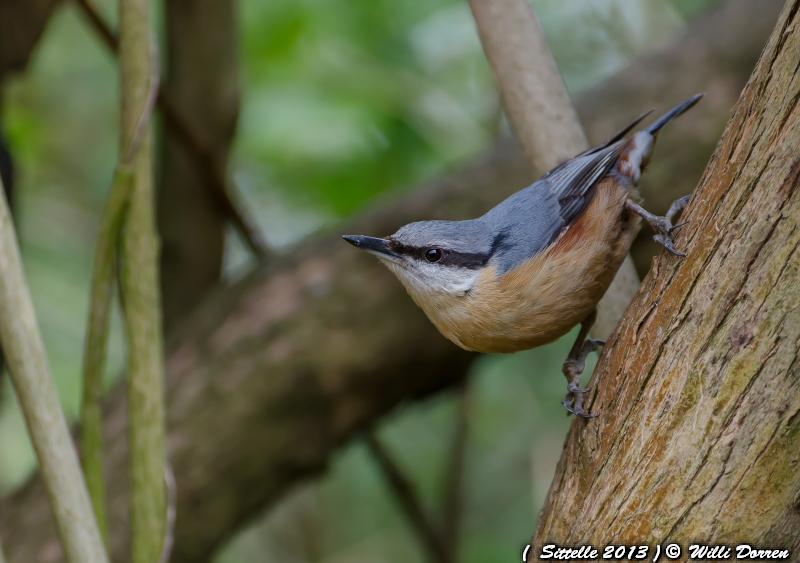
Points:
x=636 y=153
x=673 y=113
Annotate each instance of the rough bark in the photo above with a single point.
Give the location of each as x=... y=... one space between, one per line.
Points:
x=203 y=81
x=699 y=437
x=275 y=373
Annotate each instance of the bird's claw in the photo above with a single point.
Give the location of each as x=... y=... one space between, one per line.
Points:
x=664 y=230
x=573 y=368
x=663 y=225
x=577 y=410
x=574 y=387
x=666 y=241
x=678 y=226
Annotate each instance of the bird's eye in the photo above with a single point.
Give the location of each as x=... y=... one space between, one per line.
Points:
x=433 y=255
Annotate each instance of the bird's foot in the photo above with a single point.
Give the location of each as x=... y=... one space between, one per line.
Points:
x=663 y=224
x=574 y=405
x=572 y=369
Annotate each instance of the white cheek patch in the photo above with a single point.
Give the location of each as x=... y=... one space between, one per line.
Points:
x=443 y=279
x=424 y=278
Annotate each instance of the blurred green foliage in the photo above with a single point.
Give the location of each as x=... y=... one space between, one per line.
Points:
x=343 y=101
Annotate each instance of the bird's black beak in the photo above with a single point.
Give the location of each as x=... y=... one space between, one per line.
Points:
x=379 y=246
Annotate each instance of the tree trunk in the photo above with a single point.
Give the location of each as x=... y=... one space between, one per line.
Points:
x=203 y=82
x=699 y=436
x=275 y=373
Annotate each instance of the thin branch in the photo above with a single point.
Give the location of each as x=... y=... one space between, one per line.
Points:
x=103 y=283
x=453 y=505
x=30 y=374
x=96 y=343
x=101 y=27
x=194 y=143
x=541 y=113
x=140 y=289
x=409 y=502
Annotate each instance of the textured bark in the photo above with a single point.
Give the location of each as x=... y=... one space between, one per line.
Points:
x=275 y=373
x=699 y=437
x=203 y=81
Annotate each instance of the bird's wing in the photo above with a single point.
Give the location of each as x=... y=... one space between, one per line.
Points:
x=527 y=223
x=530 y=220
x=571 y=183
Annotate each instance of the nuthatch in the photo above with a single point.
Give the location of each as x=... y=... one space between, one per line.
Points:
x=535 y=265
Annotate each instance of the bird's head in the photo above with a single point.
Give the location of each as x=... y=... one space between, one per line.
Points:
x=433 y=258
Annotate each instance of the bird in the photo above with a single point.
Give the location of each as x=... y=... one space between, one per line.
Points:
x=534 y=266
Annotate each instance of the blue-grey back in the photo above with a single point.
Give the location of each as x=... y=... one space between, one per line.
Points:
x=531 y=219
x=523 y=225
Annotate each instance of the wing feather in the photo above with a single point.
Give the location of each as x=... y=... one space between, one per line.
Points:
x=572 y=182
x=527 y=222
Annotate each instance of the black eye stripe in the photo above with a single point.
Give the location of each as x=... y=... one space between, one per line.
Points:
x=470 y=260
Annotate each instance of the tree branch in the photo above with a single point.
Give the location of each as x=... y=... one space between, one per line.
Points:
x=426 y=529
x=139 y=286
x=30 y=374
x=534 y=96
x=542 y=114
x=202 y=79
x=699 y=436
x=96 y=342
x=315 y=346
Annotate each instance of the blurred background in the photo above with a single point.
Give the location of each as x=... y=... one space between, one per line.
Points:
x=341 y=103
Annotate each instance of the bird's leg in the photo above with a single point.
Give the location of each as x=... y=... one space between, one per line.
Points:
x=573 y=367
x=662 y=225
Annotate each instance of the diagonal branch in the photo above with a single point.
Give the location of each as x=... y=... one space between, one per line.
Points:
x=35 y=389
x=409 y=502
